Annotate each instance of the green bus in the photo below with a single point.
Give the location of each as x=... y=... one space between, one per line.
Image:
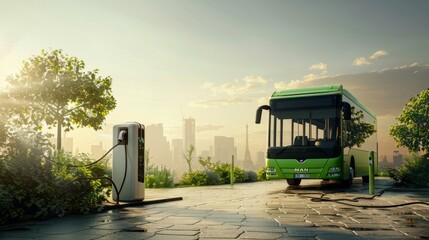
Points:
x=318 y=133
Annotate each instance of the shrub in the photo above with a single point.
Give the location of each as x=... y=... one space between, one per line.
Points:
x=42 y=190
x=213 y=178
x=414 y=173
x=196 y=178
x=251 y=176
x=159 y=178
x=262 y=174
x=37 y=183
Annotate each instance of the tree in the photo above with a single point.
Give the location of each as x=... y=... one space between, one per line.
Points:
x=188 y=156
x=412 y=131
x=53 y=89
x=357 y=129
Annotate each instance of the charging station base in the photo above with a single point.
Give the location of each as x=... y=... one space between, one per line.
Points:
x=111 y=206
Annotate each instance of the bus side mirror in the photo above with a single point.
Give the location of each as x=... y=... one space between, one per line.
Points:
x=259 y=113
x=347 y=111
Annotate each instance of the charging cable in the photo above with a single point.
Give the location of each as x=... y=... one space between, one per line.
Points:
x=122 y=139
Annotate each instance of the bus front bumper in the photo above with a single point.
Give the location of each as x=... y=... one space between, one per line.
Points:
x=328 y=168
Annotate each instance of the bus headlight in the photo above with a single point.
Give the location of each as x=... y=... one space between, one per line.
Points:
x=334 y=169
x=271 y=171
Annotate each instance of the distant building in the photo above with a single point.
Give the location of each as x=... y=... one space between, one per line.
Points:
x=247 y=163
x=179 y=163
x=97 y=150
x=188 y=132
x=67 y=143
x=384 y=163
x=397 y=159
x=205 y=153
x=224 y=148
x=158 y=145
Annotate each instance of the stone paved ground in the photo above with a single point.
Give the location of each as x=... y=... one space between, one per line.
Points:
x=264 y=210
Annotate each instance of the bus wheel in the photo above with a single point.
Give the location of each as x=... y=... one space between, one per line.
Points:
x=294 y=181
x=349 y=182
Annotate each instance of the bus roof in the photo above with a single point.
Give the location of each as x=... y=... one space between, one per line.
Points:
x=318 y=91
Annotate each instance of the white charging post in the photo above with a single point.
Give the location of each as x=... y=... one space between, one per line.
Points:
x=131 y=137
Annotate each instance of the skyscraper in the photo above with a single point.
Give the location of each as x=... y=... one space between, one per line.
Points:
x=224 y=148
x=397 y=159
x=97 y=150
x=247 y=163
x=67 y=143
x=188 y=132
x=158 y=145
x=179 y=164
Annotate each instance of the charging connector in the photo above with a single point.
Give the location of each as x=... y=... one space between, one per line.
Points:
x=123 y=137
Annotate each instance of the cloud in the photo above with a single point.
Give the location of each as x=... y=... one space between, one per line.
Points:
x=235 y=92
x=237 y=87
x=361 y=61
x=263 y=100
x=378 y=54
x=298 y=83
x=385 y=92
x=218 y=102
x=319 y=66
x=208 y=127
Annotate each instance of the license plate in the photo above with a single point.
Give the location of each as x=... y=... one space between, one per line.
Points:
x=302 y=175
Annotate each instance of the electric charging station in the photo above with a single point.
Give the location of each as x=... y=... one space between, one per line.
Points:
x=128 y=164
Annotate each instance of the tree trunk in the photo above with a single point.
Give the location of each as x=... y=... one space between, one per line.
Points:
x=59 y=136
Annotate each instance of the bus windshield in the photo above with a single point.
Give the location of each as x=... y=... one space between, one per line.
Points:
x=302 y=128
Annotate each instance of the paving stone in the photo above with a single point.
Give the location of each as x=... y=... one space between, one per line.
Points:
x=109 y=226
x=244 y=211
x=185 y=227
x=258 y=222
x=167 y=237
x=226 y=220
x=368 y=226
x=122 y=235
x=379 y=233
x=181 y=220
x=207 y=222
x=418 y=232
x=223 y=234
x=178 y=232
x=260 y=235
x=263 y=229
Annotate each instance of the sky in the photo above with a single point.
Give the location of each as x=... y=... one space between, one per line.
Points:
x=217 y=61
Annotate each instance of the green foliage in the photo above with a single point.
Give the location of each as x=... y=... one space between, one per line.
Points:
x=357 y=129
x=262 y=174
x=206 y=162
x=35 y=182
x=251 y=176
x=216 y=173
x=412 y=131
x=53 y=89
x=147 y=158
x=159 y=178
x=188 y=156
x=414 y=173
x=196 y=178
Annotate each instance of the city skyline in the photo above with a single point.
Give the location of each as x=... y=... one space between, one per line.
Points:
x=218 y=61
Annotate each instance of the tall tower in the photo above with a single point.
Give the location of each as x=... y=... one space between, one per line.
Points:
x=188 y=132
x=247 y=163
